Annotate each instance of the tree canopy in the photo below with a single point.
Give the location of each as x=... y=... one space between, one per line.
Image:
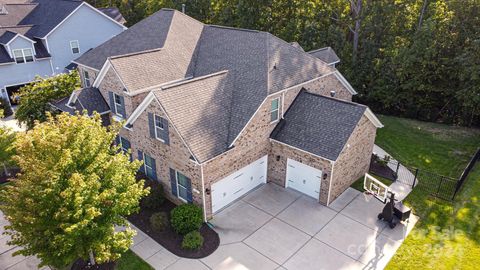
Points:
x=74 y=187
x=413 y=58
x=7 y=149
x=34 y=97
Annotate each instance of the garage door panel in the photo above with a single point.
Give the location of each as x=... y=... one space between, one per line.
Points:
x=303 y=178
x=238 y=184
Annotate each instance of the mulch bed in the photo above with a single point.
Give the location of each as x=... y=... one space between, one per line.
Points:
x=81 y=264
x=170 y=239
x=382 y=170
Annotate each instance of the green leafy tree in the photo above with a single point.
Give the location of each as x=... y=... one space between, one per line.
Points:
x=34 y=97
x=75 y=187
x=7 y=149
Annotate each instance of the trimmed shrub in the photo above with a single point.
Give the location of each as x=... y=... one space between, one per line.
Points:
x=186 y=218
x=159 y=221
x=192 y=240
x=155 y=199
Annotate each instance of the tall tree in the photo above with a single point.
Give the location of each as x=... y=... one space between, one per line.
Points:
x=7 y=149
x=75 y=187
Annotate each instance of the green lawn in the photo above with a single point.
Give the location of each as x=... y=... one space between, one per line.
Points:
x=448 y=234
x=130 y=261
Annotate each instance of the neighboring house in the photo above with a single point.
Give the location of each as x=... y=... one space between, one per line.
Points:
x=42 y=37
x=214 y=111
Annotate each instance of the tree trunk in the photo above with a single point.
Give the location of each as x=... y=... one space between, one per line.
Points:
x=356 y=9
x=5 y=169
x=92 y=258
x=422 y=13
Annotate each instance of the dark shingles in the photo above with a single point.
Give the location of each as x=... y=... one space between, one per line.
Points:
x=4 y=56
x=40 y=50
x=113 y=13
x=147 y=34
x=326 y=54
x=89 y=99
x=318 y=124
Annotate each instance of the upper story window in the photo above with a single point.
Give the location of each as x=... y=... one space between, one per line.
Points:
x=75 y=46
x=23 y=55
x=159 y=127
x=86 y=78
x=118 y=104
x=275 y=110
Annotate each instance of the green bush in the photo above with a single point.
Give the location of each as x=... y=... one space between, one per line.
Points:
x=186 y=218
x=192 y=240
x=155 y=199
x=159 y=221
x=5 y=107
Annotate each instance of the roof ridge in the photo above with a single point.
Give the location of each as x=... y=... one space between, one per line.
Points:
x=233 y=28
x=336 y=99
x=193 y=80
x=184 y=15
x=134 y=53
x=16 y=26
x=321 y=49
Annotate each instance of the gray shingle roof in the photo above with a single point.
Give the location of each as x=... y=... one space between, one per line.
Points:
x=89 y=99
x=326 y=54
x=113 y=13
x=200 y=110
x=318 y=124
x=147 y=34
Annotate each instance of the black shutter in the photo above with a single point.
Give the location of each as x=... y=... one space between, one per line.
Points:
x=151 y=124
x=117 y=140
x=154 y=168
x=123 y=112
x=112 y=101
x=140 y=157
x=165 y=135
x=189 y=191
x=173 y=182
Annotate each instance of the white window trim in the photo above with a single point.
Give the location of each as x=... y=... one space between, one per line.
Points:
x=23 y=55
x=125 y=150
x=178 y=184
x=78 y=47
x=155 y=127
x=145 y=164
x=85 y=79
x=278 y=110
x=115 y=104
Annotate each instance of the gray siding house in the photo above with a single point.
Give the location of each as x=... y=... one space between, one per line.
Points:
x=42 y=37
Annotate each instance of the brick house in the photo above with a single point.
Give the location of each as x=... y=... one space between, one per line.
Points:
x=214 y=111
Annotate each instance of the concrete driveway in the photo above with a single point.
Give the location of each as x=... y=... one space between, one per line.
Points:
x=277 y=228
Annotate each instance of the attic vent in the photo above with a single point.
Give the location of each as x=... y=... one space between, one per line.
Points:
x=3 y=10
x=332 y=93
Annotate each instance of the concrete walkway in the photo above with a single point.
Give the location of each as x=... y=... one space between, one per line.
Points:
x=11 y=122
x=401 y=190
x=277 y=228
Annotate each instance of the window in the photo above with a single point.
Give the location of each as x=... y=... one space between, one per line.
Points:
x=124 y=146
x=75 y=46
x=86 y=78
x=149 y=163
x=23 y=55
x=182 y=184
x=274 y=111
x=158 y=127
x=118 y=104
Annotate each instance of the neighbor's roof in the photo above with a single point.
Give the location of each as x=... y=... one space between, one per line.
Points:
x=89 y=99
x=326 y=54
x=319 y=125
x=113 y=13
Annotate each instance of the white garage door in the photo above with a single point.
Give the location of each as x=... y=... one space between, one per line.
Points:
x=304 y=178
x=237 y=184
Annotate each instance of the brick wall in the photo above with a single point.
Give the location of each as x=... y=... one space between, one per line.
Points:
x=354 y=160
x=277 y=170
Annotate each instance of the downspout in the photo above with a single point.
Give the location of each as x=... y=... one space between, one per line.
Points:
x=330 y=184
x=203 y=195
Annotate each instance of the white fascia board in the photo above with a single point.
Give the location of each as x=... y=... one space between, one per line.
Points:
x=345 y=82
x=373 y=118
x=106 y=66
x=138 y=111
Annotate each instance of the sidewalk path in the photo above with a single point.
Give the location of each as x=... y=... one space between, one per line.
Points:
x=400 y=189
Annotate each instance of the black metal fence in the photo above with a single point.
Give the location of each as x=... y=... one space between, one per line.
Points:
x=467 y=171
x=436 y=185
